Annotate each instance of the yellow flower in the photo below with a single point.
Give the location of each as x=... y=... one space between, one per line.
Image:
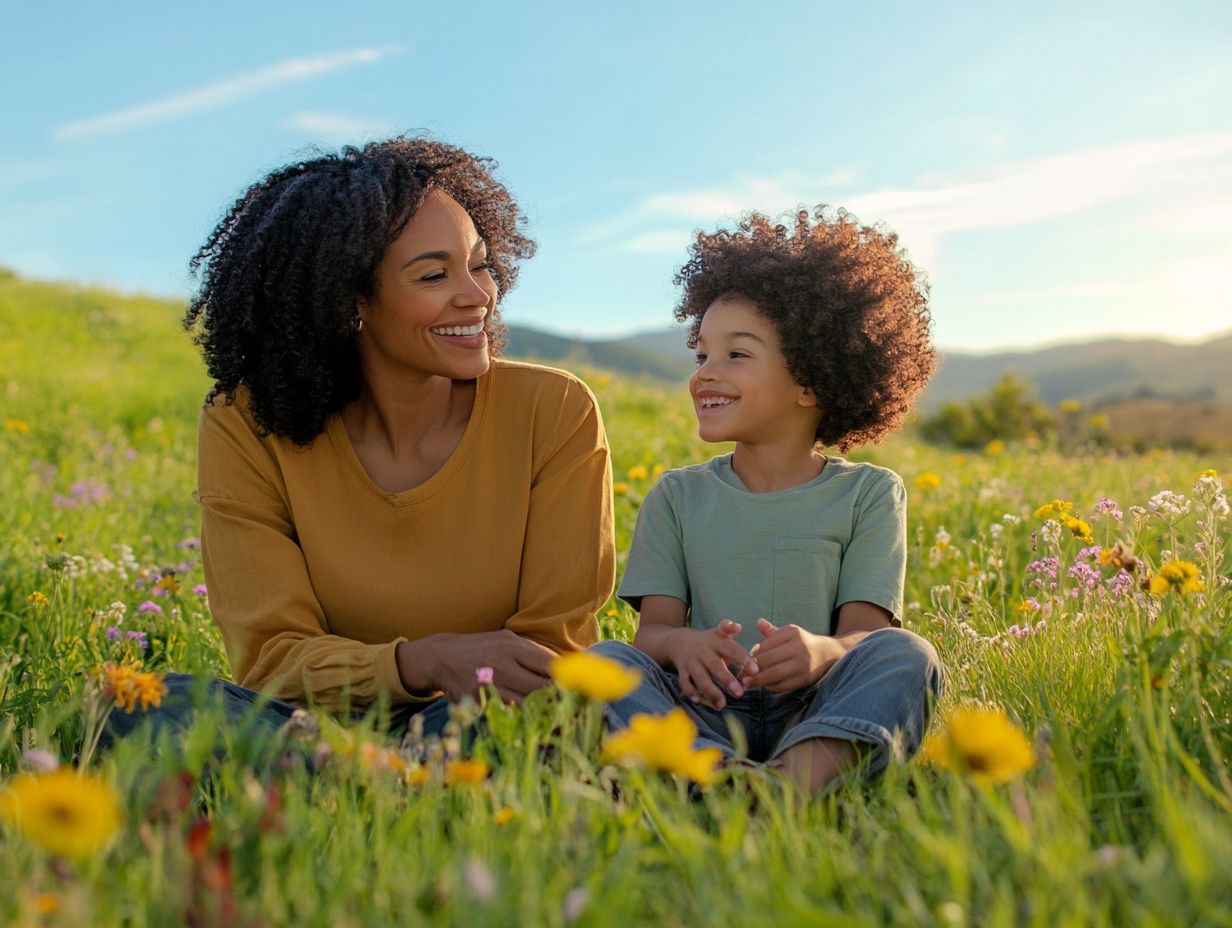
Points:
x=167 y=583
x=1178 y=575
x=595 y=677
x=1209 y=472
x=657 y=471
x=1048 y=510
x=374 y=758
x=982 y=743
x=38 y=598
x=1078 y=528
x=927 y=481
x=503 y=816
x=995 y=447
x=417 y=776
x=1070 y=405
x=1024 y=606
x=663 y=743
x=69 y=814
x=620 y=489
x=466 y=771
x=1098 y=421
x=1120 y=556
x=129 y=686
x=637 y=472
x=46 y=904
x=16 y=425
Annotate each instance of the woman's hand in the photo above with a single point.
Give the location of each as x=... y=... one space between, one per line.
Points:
x=448 y=662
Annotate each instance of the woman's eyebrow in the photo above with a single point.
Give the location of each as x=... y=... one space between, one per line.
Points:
x=442 y=255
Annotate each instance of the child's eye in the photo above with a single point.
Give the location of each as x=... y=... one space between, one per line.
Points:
x=486 y=266
x=737 y=354
x=699 y=358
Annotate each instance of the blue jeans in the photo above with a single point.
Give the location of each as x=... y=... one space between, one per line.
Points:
x=245 y=709
x=879 y=694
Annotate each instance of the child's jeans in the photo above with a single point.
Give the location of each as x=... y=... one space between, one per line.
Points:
x=879 y=693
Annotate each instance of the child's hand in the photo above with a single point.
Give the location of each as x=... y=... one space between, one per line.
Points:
x=790 y=658
x=708 y=661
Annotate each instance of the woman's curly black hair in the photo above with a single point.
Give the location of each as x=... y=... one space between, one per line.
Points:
x=850 y=309
x=283 y=272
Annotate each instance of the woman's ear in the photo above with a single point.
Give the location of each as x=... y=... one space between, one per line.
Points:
x=807 y=397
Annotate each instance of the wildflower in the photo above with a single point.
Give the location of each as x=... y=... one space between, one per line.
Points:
x=199 y=589
x=128 y=686
x=995 y=447
x=503 y=816
x=1165 y=504
x=149 y=607
x=466 y=771
x=982 y=743
x=1098 y=422
x=1085 y=574
x=1071 y=406
x=1048 y=510
x=576 y=901
x=484 y=675
x=941 y=540
x=1120 y=583
x=38 y=598
x=663 y=743
x=374 y=758
x=620 y=489
x=1109 y=507
x=189 y=543
x=417 y=776
x=1119 y=556
x=637 y=472
x=39 y=761
x=480 y=880
x=113 y=633
x=595 y=677
x=139 y=637
x=657 y=471
x=167 y=585
x=927 y=481
x=16 y=425
x=70 y=814
x=1027 y=606
x=46 y=904
x=1208 y=488
x=1178 y=575
x=1079 y=528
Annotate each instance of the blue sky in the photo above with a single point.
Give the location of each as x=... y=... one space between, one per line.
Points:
x=1061 y=171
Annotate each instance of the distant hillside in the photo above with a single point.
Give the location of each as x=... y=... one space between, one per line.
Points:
x=640 y=355
x=1096 y=373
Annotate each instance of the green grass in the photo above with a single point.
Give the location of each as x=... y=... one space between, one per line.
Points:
x=1129 y=700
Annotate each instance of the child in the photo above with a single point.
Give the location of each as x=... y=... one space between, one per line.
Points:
x=770 y=580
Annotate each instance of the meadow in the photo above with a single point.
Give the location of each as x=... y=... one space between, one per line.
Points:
x=1101 y=630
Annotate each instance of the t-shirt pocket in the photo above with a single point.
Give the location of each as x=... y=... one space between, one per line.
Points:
x=806 y=582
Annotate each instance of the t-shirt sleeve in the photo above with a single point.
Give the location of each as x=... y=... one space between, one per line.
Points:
x=656 y=565
x=569 y=555
x=260 y=594
x=874 y=564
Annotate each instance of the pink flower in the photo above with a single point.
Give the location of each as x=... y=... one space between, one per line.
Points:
x=199 y=589
x=484 y=675
x=40 y=761
x=148 y=606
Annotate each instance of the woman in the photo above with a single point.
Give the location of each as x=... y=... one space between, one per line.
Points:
x=387 y=505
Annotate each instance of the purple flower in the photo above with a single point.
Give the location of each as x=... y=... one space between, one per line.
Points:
x=63 y=502
x=484 y=675
x=189 y=543
x=1120 y=583
x=1089 y=553
x=1108 y=506
x=40 y=761
x=148 y=606
x=1045 y=565
x=199 y=589
x=139 y=637
x=1085 y=574
x=113 y=633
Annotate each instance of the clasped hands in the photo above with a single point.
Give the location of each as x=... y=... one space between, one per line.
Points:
x=712 y=666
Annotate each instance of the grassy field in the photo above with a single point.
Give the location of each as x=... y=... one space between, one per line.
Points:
x=1125 y=696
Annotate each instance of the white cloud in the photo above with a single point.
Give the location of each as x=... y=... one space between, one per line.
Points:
x=1014 y=194
x=217 y=94
x=336 y=128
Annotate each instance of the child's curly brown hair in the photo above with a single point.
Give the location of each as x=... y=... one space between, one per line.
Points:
x=850 y=309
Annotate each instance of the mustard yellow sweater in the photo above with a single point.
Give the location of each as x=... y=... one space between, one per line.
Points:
x=315 y=574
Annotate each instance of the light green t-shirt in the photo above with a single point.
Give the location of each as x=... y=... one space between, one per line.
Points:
x=791 y=556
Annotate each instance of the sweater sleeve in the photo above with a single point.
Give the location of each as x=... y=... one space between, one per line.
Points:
x=569 y=553
x=260 y=594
